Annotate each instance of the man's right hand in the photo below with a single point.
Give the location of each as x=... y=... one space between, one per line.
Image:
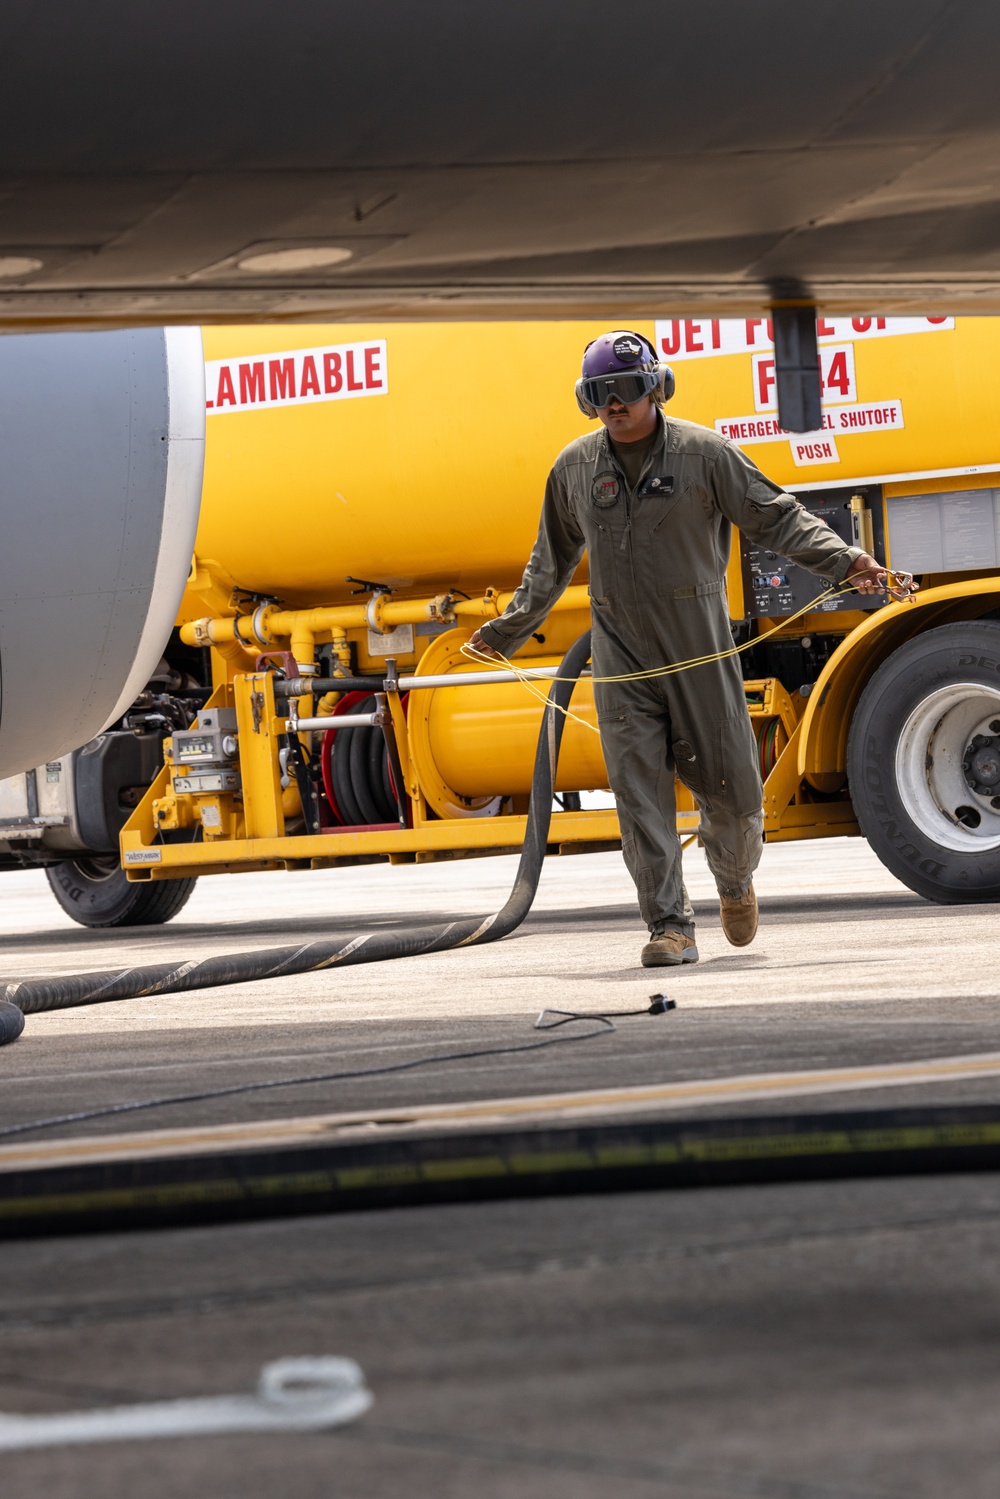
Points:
x=869 y=576
x=478 y=644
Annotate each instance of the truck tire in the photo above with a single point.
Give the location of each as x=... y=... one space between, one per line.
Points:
x=96 y=893
x=923 y=763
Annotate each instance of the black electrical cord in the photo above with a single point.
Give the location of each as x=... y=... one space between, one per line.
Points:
x=607 y=1026
x=35 y=995
x=659 y=1004
x=308 y=794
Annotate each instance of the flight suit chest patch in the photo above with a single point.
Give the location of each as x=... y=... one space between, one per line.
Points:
x=605 y=489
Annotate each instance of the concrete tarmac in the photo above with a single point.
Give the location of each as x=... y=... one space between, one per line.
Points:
x=819 y=1341
x=849 y=968
x=811 y=1341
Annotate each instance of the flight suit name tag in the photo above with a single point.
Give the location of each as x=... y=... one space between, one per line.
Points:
x=657 y=484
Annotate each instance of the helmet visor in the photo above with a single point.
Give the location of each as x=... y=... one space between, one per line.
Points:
x=597 y=390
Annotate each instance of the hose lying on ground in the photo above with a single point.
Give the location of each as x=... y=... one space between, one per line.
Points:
x=33 y=995
x=11 y=1023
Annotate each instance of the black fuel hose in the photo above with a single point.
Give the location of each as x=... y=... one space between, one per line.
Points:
x=11 y=1023
x=313 y=686
x=359 y=772
x=34 y=995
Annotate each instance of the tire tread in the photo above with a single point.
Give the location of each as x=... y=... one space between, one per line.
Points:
x=116 y=902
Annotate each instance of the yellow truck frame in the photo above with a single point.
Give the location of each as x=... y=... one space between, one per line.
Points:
x=886 y=431
x=805 y=794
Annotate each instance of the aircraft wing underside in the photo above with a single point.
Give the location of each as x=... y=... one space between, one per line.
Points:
x=466 y=160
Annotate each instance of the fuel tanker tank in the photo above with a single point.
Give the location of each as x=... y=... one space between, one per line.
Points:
x=415 y=455
x=411 y=455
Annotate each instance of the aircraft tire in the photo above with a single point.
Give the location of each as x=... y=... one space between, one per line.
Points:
x=923 y=763
x=96 y=893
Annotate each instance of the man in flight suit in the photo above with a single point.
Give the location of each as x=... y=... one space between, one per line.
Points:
x=652 y=501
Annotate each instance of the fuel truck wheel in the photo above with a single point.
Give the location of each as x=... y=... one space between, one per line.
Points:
x=95 y=892
x=923 y=762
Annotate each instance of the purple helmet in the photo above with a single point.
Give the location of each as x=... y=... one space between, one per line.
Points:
x=625 y=365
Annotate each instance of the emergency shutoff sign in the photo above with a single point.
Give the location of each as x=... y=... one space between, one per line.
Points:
x=849 y=408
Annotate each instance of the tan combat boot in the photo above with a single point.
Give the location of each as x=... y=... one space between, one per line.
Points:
x=669 y=948
x=739 y=917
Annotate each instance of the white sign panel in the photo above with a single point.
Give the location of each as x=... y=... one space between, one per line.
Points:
x=297 y=377
x=691 y=338
x=706 y=338
x=836 y=375
x=813 y=447
x=866 y=416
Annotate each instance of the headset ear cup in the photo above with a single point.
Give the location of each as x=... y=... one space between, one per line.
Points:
x=666 y=382
x=585 y=406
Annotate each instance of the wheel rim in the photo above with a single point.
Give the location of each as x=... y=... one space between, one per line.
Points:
x=98 y=867
x=948 y=767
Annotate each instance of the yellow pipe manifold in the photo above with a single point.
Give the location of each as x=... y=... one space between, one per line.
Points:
x=469 y=747
x=270 y=625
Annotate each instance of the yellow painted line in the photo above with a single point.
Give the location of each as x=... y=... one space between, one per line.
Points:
x=535 y=1109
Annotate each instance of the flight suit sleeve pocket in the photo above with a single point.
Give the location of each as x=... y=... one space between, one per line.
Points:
x=763 y=499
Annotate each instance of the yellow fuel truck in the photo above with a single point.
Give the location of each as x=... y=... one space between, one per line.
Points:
x=371 y=495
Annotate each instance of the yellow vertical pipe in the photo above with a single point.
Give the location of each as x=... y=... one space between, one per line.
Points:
x=257 y=720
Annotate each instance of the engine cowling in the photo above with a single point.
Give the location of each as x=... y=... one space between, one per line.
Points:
x=101 y=458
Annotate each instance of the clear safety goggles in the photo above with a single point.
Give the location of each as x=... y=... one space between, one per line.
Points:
x=597 y=390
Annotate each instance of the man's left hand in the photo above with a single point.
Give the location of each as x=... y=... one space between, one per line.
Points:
x=869 y=576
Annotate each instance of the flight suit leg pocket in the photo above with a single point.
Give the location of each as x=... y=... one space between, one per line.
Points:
x=689 y=765
x=614 y=722
x=721 y=764
x=739 y=784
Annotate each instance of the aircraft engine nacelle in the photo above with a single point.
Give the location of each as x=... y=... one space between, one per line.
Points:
x=101 y=457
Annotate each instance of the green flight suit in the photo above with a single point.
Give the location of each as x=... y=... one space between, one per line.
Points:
x=657 y=558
